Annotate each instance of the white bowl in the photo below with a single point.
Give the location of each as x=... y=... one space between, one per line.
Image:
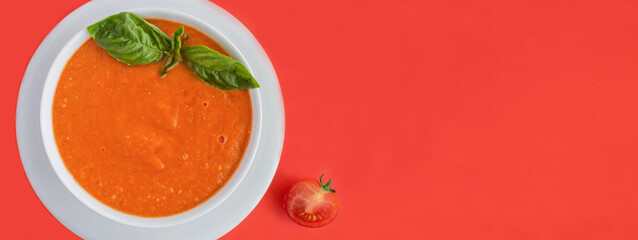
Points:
x=67 y=179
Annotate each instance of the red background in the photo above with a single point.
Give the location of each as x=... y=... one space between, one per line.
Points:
x=436 y=119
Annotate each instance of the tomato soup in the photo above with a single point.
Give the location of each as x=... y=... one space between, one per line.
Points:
x=145 y=145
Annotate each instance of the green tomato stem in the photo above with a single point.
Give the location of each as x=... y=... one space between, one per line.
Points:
x=326 y=187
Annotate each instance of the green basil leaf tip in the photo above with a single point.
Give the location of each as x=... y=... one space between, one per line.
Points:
x=218 y=69
x=174 y=56
x=130 y=39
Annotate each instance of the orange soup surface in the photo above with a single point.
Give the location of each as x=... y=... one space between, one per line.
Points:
x=146 y=145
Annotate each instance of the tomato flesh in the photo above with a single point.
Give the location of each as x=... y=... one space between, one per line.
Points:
x=307 y=204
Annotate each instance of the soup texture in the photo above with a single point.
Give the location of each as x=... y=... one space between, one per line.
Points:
x=145 y=145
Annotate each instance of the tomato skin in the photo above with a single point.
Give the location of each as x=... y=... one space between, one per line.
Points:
x=309 y=204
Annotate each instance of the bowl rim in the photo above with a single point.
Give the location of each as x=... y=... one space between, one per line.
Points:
x=50 y=145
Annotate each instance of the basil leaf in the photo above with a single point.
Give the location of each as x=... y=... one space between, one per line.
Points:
x=130 y=39
x=218 y=69
x=174 y=56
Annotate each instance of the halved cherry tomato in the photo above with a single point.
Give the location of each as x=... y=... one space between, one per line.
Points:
x=311 y=204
